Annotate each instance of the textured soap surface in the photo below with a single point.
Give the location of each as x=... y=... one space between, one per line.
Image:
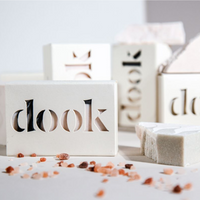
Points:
x=170 y=144
x=171 y=33
x=185 y=59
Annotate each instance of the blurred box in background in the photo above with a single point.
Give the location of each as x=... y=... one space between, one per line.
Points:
x=77 y=62
x=135 y=70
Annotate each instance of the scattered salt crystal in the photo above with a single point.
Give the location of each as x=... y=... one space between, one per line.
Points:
x=122 y=164
x=168 y=171
x=110 y=164
x=25 y=176
x=188 y=186
x=36 y=176
x=10 y=159
x=114 y=172
x=30 y=168
x=64 y=164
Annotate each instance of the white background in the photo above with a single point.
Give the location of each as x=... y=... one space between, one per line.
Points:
x=26 y=26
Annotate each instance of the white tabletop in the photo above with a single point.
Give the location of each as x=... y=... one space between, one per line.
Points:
x=76 y=183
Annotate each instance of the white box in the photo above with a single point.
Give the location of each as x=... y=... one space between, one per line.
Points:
x=179 y=101
x=135 y=70
x=77 y=62
x=23 y=76
x=47 y=118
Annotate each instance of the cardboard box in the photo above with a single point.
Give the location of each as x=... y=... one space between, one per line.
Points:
x=47 y=118
x=135 y=70
x=178 y=96
x=77 y=62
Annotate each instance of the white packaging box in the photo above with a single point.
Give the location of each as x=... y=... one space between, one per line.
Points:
x=47 y=118
x=77 y=62
x=179 y=101
x=135 y=69
x=23 y=76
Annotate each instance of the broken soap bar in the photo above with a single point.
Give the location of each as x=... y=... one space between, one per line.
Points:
x=170 y=144
x=171 y=33
x=186 y=59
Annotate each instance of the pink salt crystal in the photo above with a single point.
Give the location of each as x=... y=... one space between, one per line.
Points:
x=132 y=167
x=25 y=176
x=110 y=164
x=11 y=159
x=56 y=165
x=36 y=176
x=96 y=167
x=15 y=171
x=122 y=164
x=64 y=164
x=64 y=156
x=114 y=172
x=30 y=168
x=131 y=174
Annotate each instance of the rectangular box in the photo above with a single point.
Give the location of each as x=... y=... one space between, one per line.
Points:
x=179 y=100
x=135 y=70
x=77 y=62
x=47 y=118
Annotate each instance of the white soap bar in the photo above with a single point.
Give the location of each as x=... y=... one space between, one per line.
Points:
x=171 y=33
x=170 y=144
x=77 y=62
x=24 y=76
x=135 y=70
x=186 y=59
x=48 y=117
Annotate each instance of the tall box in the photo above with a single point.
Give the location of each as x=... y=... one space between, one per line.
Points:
x=179 y=98
x=77 y=62
x=47 y=118
x=135 y=70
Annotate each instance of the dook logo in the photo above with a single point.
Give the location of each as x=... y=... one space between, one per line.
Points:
x=81 y=119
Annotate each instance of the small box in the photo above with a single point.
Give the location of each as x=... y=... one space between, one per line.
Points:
x=178 y=96
x=135 y=70
x=47 y=118
x=77 y=62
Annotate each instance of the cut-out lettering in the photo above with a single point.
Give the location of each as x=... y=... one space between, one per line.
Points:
x=137 y=55
x=134 y=73
x=172 y=107
x=78 y=120
x=64 y=120
x=99 y=123
x=29 y=105
x=15 y=121
x=88 y=115
x=134 y=95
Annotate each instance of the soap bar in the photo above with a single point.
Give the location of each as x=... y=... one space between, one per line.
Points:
x=170 y=144
x=77 y=62
x=49 y=117
x=185 y=59
x=135 y=70
x=171 y=33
